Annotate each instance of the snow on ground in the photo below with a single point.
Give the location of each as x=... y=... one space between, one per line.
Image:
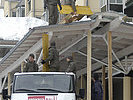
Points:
x=1 y=13
x=14 y=28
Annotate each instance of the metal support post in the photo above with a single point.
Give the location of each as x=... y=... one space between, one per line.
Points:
x=45 y=43
x=89 y=66
x=110 y=65
x=103 y=83
x=9 y=84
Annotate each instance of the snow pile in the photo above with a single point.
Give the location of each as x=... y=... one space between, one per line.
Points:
x=129 y=22
x=85 y=19
x=1 y=13
x=14 y=28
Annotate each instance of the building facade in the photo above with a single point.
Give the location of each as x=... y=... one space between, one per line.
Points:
x=23 y=8
x=34 y=8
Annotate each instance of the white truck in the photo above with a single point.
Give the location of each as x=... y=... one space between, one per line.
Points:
x=43 y=86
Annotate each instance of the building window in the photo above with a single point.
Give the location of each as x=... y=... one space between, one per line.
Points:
x=116 y=5
x=116 y=1
x=103 y=3
x=29 y=5
x=13 y=14
x=21 y=12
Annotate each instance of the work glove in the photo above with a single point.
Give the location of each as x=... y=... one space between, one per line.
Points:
x=43 y=62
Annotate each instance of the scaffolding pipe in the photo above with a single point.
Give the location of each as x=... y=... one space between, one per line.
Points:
x=9 y=84
x=110 y=65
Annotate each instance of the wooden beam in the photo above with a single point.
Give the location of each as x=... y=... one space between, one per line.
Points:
x=127 y=88
x=89 y=66
x=22 y=67
x=104 y=83
x=9 y=84
x=110 y=65
x=45 y=43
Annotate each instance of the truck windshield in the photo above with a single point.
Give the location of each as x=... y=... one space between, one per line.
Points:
x=43 y=83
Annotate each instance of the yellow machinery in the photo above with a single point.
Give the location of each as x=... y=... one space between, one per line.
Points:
x=83 y=10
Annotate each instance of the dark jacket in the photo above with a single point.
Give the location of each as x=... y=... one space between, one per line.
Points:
x=71 y=67
x=31 y=67
x=98 y=90
x=92 y=90
x=53 y=59
x=51 y=2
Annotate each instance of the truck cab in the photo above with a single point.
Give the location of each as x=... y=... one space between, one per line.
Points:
x=43 y=86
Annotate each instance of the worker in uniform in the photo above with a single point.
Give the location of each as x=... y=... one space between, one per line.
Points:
x=31 y=65
x=98 y=92
x=53 y=10
x=53 y=58
x=71 y=3
x=71 y=65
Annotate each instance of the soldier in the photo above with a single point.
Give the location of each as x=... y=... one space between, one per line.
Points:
x=71 y=65
x=31 y=65
x=53 y=10
x=72 y=3
x=53 y=58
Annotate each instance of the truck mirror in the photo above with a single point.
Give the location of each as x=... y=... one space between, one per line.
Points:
x=82 y=93
x=4 y=93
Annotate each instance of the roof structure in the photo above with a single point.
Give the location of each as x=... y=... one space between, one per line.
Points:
x=72 y=38
x=5 y=46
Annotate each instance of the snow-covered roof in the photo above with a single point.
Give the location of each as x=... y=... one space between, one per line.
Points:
x=16 y=27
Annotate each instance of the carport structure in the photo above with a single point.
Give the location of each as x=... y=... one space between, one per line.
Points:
x=105 y=40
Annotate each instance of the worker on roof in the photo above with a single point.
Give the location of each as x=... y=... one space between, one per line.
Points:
x=31 y=65
x=71 y=3
x=53 y=58
x=71 y=65
x=53 y=10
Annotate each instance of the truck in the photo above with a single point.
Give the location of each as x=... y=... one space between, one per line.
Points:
x=43 y=86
